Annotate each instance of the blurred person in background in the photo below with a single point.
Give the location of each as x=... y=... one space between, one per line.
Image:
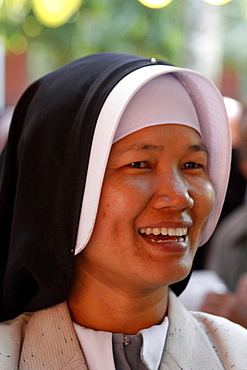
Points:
x=228 y=250
x=237 y=185
x=231 y=305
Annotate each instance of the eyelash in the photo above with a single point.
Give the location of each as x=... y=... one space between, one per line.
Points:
x=192 y=166
x=186 y=166
x=137 y=164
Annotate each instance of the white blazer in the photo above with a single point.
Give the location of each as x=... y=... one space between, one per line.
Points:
x=195 y=341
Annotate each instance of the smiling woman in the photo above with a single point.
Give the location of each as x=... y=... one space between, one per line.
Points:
x=114 y=173
x=162 y=195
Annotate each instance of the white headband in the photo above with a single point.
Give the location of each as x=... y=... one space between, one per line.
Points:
x=163 y=100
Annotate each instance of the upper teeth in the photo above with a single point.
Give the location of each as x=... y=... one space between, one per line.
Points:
x=164 y=231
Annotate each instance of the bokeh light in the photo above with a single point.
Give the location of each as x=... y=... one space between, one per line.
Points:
x=16 y=10
x=17 y=43
x=217 y=2
x=55 y=13
x=32 y=27
x=155 y=4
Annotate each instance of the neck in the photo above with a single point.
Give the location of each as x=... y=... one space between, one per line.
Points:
x=100 y=306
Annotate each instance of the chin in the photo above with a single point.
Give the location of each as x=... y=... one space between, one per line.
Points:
x=181 y=272
x=166 y=278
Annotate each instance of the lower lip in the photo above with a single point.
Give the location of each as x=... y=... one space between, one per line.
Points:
x=178 y=246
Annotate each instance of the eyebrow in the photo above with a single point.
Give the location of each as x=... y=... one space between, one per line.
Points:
x=198 y=148
x=144 y=146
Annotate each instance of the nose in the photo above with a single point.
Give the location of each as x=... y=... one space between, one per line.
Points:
x=172 y=191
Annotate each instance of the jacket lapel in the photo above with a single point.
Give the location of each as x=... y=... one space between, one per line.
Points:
x=50 y=341
x=187 y=345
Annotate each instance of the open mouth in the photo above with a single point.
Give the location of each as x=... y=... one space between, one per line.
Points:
x=164 y=235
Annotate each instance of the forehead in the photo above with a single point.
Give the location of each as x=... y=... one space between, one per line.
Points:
x=160 y=137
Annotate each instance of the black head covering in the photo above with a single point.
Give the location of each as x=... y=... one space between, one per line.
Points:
x=42 y=177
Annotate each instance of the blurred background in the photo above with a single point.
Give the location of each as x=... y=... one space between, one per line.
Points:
x=37 y=36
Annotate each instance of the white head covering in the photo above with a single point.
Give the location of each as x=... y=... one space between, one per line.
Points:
x=202 y=107
x=161 y=100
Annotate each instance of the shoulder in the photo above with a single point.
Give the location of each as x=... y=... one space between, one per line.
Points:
x=12 y=333
x=219 y=325
x=15 y=328
x=30 y=337
x=229 y=338
x=212 y=324
x=216 y=342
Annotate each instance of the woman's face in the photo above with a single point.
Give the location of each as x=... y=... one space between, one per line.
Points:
x=155 y=201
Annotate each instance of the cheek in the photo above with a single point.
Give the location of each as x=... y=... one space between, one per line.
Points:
x=125 y=196
x=209 y=198
x=204 y=201
x=203 y=206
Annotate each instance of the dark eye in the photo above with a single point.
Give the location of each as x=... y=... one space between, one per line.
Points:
x=140 y=164
x=192 y=166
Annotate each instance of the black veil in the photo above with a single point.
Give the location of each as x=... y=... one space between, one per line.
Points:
x=42 y=177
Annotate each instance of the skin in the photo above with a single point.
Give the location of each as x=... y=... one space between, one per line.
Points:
x=155 y=177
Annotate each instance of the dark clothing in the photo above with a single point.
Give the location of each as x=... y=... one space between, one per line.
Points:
x=126 y=350
x=45 y=159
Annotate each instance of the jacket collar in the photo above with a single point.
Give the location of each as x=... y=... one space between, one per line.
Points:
x=51 y=332
x=185 y=335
